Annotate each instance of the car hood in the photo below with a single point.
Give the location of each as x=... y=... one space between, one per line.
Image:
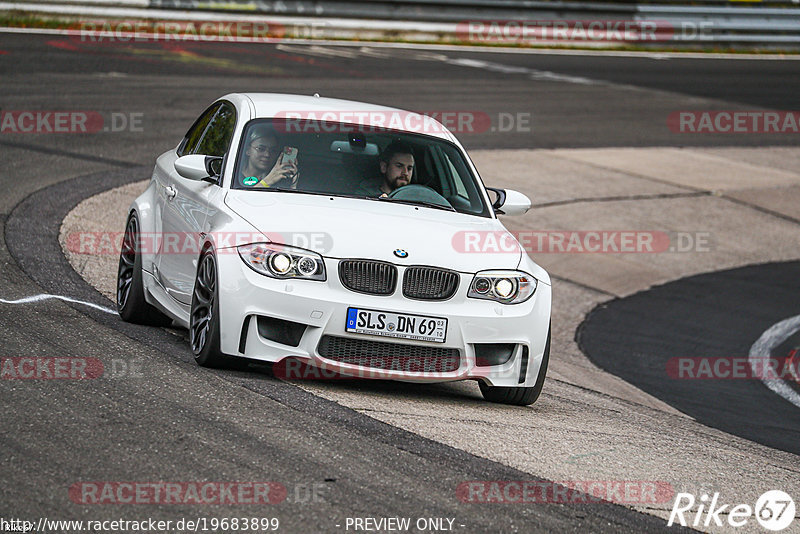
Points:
x=339 y=227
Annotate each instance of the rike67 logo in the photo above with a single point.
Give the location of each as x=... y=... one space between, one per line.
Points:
x=774 y=510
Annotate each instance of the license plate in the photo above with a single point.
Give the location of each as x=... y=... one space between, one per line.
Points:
x=399 y=325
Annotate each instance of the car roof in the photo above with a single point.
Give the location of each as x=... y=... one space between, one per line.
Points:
x=272 y=105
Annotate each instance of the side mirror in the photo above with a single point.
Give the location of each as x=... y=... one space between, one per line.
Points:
x=510 y=202
x=199 y=167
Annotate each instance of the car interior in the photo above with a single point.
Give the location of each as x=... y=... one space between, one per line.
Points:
x=337 y=162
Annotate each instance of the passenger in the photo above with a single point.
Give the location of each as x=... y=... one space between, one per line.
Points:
x=397 y=168
x=262 y=163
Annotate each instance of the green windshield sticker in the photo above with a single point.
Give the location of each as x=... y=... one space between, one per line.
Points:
x=250 y=180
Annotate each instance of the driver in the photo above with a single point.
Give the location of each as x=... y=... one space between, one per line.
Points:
x=397 y=168
x=262 y=163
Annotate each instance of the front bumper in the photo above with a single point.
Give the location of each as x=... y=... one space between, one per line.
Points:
x=244 y=295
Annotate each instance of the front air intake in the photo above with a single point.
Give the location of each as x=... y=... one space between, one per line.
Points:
x=389 y=356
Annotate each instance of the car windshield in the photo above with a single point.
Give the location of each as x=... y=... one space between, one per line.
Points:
x=352 y=160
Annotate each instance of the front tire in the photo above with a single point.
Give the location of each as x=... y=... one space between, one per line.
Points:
x=519 y=396
x=204 y=333
x=131 y=304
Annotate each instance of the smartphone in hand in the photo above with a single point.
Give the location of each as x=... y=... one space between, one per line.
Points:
x=289 y=154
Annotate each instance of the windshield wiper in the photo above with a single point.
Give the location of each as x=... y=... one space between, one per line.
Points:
x=416 y=202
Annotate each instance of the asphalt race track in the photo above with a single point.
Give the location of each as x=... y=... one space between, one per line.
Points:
x=170 y=420
x=714 y=315
x=366 y=468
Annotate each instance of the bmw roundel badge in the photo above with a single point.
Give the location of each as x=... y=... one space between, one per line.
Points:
x=400 y=253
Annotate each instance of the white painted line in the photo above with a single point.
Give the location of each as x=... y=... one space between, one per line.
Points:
x=533 y=74
x=777 y=334
x=792 y=369
x=45 y=296
x=317 y=50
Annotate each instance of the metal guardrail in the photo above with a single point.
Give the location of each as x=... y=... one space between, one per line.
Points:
x=730 y=24
x=414 y=10
x=459 y=8
x=716 y=21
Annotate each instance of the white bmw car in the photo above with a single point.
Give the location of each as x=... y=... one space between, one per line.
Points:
x=343 y=235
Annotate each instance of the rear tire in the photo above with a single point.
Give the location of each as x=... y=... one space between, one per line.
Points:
x=519 y=396
x=204 y=333
x=131 y=304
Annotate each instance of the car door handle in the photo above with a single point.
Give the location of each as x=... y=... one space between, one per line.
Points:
x=170 y=192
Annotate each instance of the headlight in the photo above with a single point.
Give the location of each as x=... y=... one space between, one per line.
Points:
x=282 y=261
x=508 y=287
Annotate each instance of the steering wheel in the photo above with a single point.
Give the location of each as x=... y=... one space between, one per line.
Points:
x=419 y=193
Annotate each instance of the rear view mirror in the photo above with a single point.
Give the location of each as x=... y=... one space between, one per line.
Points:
x=345 y=147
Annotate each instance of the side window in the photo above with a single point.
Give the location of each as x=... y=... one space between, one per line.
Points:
x=465 y=191
x=218 y=134
x=461 y=189
x=447 y=173
x=196 y=131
